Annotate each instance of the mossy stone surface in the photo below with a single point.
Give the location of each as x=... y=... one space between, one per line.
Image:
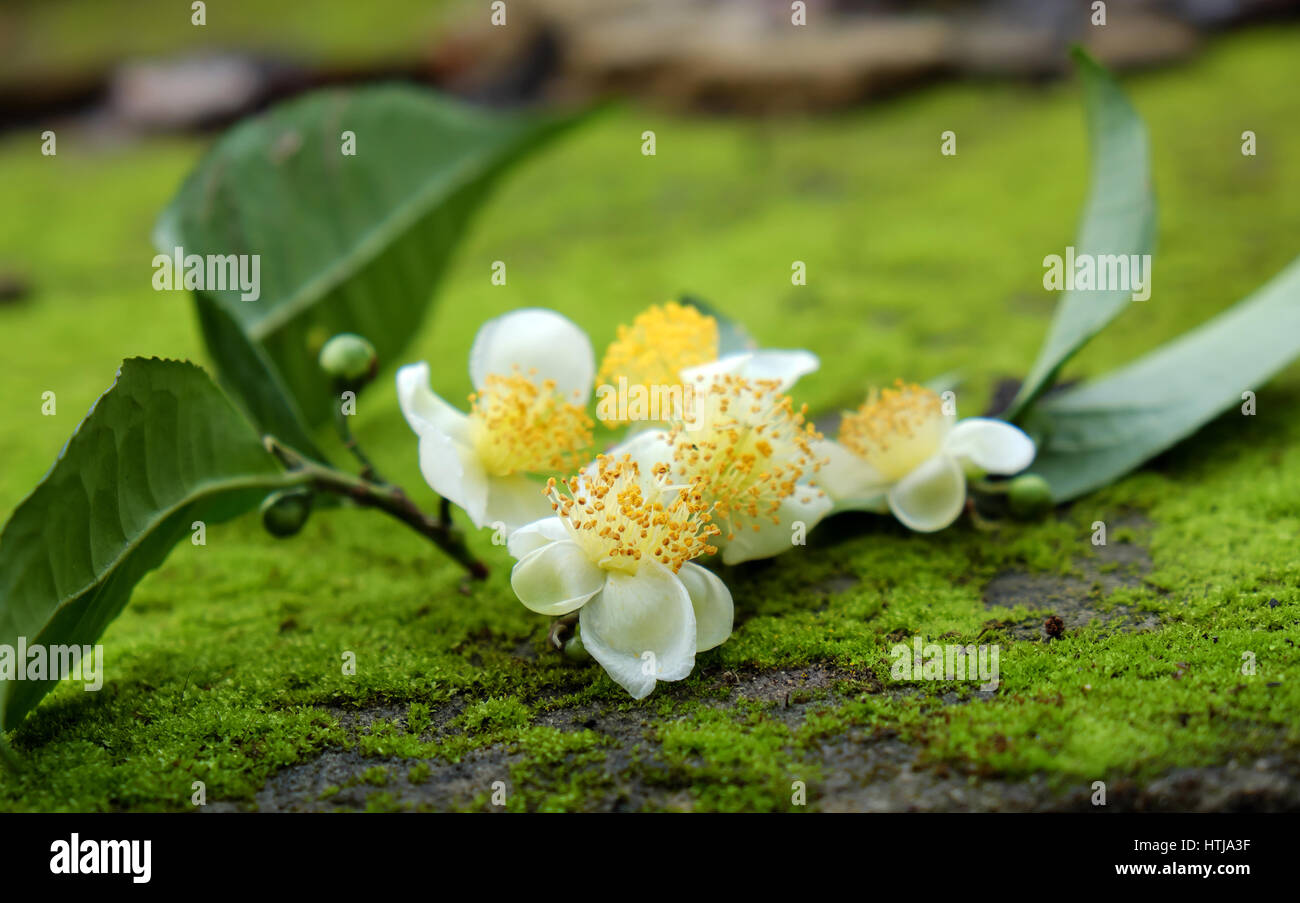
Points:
x=226 y=667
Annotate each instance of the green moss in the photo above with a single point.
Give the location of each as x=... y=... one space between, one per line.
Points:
x=417 y=718
x=554 y=777
x=383 y=801
x=375 y=776
x=494 y=713
x=227 y=665
x=733 y=764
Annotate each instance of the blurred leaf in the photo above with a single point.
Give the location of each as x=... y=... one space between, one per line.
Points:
x=161 y=449
x=1094 y=434
x=346 y=243
x=946 y=382
x=732 y=336
x=247 y=375
x=1119 y=219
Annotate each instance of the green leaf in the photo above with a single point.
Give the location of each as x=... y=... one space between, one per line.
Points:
x=247 y=374
x=347 y=243
x=1119 y=219
x=161 y=449
x=732 y=336
x=1093 y=434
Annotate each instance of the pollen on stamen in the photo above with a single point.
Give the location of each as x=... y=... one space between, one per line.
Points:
x=745 y=452
x=895 y=429
x=522 y=426
x=662 y=341
x=671 y=533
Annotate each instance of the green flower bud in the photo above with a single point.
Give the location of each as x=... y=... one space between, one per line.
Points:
x=284 y=513
x=1029 y=496
x=575 y=651
x=348 y=357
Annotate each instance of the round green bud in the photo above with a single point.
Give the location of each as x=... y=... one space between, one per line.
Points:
x=284 y=513
x=1029 y=496
x=348 y=357
x=575 y=651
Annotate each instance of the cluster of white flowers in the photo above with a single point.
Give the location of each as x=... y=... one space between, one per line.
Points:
x=737 y=472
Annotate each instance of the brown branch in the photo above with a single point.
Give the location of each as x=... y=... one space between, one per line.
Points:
x=389 y=499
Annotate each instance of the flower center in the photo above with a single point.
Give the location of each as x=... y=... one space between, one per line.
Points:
x=744 y=451
x=896 y=430
x=661 y=342
x=619 y=516
x=519 y=426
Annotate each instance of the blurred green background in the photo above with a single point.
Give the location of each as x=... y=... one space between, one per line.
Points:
x=917 y=264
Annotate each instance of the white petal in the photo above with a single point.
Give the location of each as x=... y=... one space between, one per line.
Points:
x=532 y=537
x=422 y=407
x=806 y=505
x=728 y=365
x=783 y=366
x=786 y=367
x=714 y=611
x=454 y=472
x=877 y=504
x=513 y=501
x=556 y=579
x=647 y=448
x=638 y=623
x=930 y=497
x=535 y=338
x=850 y=481
x=992 y=446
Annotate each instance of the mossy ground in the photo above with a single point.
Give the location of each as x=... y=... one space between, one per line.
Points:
x=226 y=666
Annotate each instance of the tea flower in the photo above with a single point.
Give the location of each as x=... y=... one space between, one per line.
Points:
x=532 y=371
x=619 y=548
x=670 y=346
x=750 y=456
x=900 y=452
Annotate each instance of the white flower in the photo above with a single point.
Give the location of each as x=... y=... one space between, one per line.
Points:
x=781 y=367
x=750 y=456
x=676 y=345
x=532 y=371
x=619 y=549
x=900 y=452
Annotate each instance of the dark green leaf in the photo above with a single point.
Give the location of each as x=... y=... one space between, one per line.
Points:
x=347 y=243
x=732 y=336
x=1119 y=219
x=1094 y=434
x=248 y=376
x=161 y=449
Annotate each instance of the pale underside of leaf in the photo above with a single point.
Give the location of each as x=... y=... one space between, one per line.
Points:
x=1093 y=434
x=1119 y=219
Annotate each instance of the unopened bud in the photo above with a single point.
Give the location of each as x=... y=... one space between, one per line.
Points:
x=575 y=651
x=284 y=513
x=1029 y=496
x=349 y=358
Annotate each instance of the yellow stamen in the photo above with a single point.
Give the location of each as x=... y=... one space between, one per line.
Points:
x=896 y=430
x=744 y=452
x=618 y=517
x=661 y=342
x=518 y=425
